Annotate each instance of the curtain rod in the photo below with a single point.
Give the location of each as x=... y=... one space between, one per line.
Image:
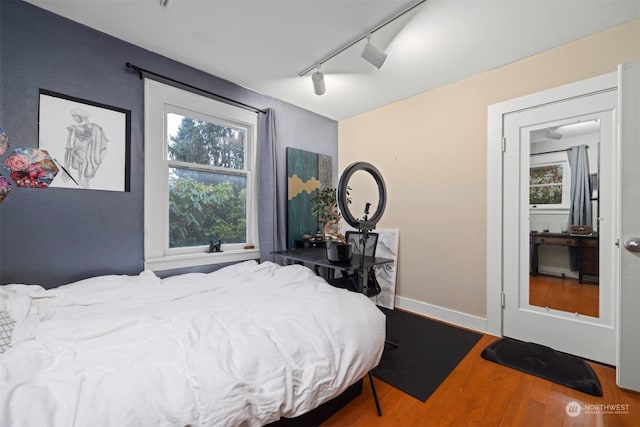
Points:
x=554 y=151
x=142 y=71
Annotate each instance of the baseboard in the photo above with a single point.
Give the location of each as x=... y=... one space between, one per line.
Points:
x=557 y=271
x=464 y=320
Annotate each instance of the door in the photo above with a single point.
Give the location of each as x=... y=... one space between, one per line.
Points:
x=575 y=310
x=628 y=366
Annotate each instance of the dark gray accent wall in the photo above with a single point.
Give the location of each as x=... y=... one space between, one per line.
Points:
x=56 y=236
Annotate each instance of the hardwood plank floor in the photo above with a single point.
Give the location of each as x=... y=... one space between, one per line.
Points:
x=483 y=393
x=564 y=294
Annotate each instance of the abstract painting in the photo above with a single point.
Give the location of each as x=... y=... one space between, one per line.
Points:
x=4 y=143
x=5 y=187
x=31 y=168
x=307 y=173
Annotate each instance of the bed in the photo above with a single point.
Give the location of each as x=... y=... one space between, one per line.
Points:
x=245 y=345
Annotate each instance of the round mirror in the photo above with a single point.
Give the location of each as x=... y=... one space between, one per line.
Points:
x=362 y=196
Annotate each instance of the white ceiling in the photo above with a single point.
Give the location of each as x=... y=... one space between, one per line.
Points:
x=264 y=44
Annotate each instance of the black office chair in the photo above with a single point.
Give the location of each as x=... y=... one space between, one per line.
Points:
x=355 y=238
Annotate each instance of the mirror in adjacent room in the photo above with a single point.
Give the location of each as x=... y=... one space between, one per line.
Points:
x=564 y=259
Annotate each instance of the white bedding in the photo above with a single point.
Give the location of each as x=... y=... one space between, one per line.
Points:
x=244 y=345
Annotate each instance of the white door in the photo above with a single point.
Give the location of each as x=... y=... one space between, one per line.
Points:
x=535 y=145
x=628 y=366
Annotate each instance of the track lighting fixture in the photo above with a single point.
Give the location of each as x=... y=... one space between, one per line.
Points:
x=318 y=82
x=553 y=133
x=372 y=54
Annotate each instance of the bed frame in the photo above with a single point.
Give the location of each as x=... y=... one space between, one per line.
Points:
x=317 y=416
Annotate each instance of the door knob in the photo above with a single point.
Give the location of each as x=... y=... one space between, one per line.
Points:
x=632 y=244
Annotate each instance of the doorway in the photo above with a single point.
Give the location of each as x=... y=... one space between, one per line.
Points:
x=565 y=263
x=559 y=223
x=520 y=211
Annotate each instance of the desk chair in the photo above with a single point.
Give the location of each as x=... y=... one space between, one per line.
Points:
x=353 y=279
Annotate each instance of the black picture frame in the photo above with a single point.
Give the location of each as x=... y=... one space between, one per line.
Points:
x=90 y=141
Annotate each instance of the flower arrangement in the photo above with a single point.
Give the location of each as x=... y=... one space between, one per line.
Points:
x=31 y=167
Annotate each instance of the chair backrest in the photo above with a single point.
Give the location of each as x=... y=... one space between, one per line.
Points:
x=370 y=248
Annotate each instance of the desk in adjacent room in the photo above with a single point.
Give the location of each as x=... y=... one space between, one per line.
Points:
x=587 y=247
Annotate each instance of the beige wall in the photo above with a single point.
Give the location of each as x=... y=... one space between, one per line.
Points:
x=431 y=151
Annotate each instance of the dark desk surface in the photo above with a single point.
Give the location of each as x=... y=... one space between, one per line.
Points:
x=318 y=256
x=593 y=235
x=585 y=245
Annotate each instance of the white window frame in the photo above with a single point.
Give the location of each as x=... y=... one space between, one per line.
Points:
x=161 y=99
x=552 y=159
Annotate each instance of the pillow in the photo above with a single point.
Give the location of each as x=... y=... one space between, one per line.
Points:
x=6 y=330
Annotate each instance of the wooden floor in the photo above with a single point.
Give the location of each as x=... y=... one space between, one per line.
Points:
x=483 y=393
x=564 y=294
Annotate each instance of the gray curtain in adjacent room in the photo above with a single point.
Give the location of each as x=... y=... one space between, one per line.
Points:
x=580 y=208
x=270 y=220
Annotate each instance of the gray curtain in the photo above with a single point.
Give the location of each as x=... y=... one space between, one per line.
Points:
x=270 y=220
x=580 y=208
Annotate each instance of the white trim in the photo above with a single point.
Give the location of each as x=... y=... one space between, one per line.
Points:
x=628 y=362
x=495 y=173
x=443 y=314
x=192 y=260
x=159 y=99
x=557 y=271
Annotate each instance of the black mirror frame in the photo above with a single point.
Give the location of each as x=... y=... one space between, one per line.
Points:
x=368 y=223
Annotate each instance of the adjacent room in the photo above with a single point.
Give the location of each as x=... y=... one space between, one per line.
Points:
x=336 y=213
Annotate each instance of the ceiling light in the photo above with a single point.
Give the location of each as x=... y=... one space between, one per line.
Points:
x=375 y=56
x=372 y=54
x=164 y=3
x=318 y=82
x=553 y=133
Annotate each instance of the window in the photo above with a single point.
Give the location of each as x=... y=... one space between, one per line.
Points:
x=200 y=158
x=549 y=185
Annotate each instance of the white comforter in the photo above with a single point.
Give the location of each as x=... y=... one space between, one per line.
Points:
x=244 y=345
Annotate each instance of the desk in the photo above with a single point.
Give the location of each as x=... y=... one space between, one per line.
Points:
x=318 y=258
x=587 y=247
x=310 y=243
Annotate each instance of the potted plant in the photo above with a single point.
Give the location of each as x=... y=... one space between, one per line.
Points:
x=325 y=208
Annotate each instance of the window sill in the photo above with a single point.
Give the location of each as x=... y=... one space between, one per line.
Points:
x=198 y=259
x=549 y=211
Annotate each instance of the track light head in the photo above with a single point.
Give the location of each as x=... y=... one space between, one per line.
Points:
x=372 y=54
x=553 y=133
x=318 y=82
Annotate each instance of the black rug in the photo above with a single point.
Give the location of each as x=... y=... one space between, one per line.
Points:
x=544 y=362
x=427 y=352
